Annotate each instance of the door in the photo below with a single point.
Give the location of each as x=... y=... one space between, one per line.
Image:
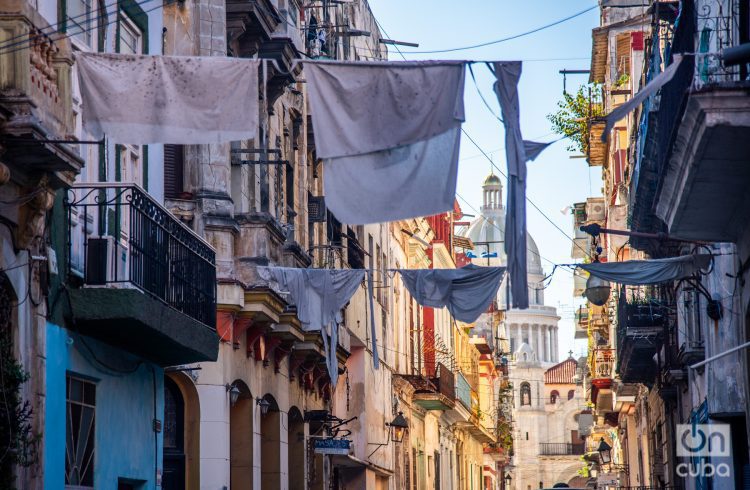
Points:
x=173 y=477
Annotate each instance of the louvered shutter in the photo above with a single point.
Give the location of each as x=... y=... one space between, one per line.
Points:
x=174 y=158
x=623 y=54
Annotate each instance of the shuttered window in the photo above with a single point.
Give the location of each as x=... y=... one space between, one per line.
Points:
x=623 y=54
x=174 y=162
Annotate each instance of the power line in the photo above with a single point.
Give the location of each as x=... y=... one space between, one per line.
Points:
x=28 y=42
x=509 y=38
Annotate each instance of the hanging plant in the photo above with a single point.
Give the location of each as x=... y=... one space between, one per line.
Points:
x=574 y=115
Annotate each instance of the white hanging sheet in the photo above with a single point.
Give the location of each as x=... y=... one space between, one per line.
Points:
x=466 y=292
x=140 y=99
x=389 y=131
x=319 y=295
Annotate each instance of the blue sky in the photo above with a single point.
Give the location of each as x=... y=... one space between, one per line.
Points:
x=554 y=179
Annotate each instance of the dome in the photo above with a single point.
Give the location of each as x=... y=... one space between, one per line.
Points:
x=492 y=179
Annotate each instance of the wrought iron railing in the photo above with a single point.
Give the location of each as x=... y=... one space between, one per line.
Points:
x=717 y=28
x=561 y=448
x=604 y=362
x=119 y=236
x=463 y=391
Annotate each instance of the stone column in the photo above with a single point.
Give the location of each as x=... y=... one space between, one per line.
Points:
x=538 y=341
x=554 y=344
x=545 y=343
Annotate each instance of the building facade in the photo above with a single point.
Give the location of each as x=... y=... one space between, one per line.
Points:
x=660 y=356
x=157 y=357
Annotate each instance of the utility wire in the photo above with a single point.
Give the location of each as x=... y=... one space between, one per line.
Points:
x=509 y=38
x=28 y=42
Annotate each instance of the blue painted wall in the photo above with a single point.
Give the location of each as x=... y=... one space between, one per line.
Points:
x=124 y=437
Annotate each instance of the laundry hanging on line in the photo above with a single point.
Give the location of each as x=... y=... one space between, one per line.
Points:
x=141 y=99
x=390 y=131
x=507 y=74
x=645 y=272
x=319 y=295
x=466 y=292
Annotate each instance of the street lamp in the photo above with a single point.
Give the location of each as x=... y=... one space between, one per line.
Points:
x=234 y=393
x=507 y=481
x=605 y=452
x=399 y=426
x=597 y=290
x=263 y=404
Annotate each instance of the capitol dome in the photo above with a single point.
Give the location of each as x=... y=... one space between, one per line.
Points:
x=490 y=227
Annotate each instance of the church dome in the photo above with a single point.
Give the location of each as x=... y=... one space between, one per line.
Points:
x=487 y=231
x=492 y=179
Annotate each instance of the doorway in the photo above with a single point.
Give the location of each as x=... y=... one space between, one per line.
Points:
x=173 y=477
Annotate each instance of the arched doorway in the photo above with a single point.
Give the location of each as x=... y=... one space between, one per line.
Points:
x=173 y=476
x=270 y=446
x=181 y=429
x=296 y=441
x=241 y=439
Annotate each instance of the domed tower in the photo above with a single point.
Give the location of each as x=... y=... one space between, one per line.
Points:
x=492 y=191
x=536 y=326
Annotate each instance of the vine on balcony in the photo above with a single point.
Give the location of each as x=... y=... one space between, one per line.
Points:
x=574 y=114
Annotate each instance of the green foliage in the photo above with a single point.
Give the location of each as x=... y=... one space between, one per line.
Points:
x=574 y=113
x=622 y=81
x=18 y=443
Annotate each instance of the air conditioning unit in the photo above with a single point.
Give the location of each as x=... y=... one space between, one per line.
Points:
x=106 y=261
x=595 y=210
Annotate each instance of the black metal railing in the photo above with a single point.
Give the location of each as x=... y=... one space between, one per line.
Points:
x=561 y=448
x=118 y=235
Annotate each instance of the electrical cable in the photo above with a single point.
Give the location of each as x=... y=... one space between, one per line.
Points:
x=67 y=36
x=509 y=38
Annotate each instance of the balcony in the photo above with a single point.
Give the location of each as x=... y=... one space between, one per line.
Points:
x=692 y=178
x=148 y=282
x=603 y=365
x=434 y=393
x=602 y=371
x=250 y=23
x=35 y=96
x=582 y=323
x=561 y=449
x=642 y=325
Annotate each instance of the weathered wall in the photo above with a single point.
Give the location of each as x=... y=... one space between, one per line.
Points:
x=126 y=405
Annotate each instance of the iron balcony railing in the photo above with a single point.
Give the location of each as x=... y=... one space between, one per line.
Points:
x=604 y=362
x=118 y=236
x=561 y=448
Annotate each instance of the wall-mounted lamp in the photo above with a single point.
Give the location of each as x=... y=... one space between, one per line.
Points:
x=234 y=393
x=605 y=452
x=507 y=479
x=263 y=404
x=398 y=426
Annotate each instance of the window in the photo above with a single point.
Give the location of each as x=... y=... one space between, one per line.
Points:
x=79 y=20
x=554 y=396
x=79 y=432
x=571 y=394
x=130 y=39
x=525 y=394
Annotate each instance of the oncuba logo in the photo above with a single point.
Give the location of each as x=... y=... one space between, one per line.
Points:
x=703 y=444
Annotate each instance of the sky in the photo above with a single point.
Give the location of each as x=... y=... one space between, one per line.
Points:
x=555 y=181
